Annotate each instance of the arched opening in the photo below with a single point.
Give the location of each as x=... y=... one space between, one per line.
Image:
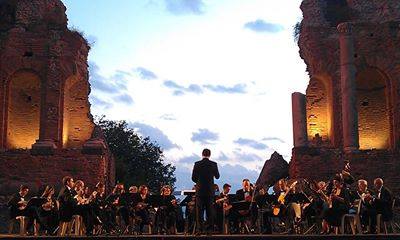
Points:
x=319 y=112
x=76 y=125
x=372 y=106
x=23 y=113
x=67 y=136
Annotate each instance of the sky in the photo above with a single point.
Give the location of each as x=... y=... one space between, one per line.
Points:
x=193 y=74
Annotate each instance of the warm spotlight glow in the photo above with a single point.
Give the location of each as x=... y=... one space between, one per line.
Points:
x=23 y=110
x=373 y=118
x=318 y=114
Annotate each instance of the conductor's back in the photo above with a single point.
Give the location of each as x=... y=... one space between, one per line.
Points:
x=204 y=172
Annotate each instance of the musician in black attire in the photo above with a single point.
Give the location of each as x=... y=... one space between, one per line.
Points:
x=222 y=201
x=100 y=205
x=66 y=199
x=141 y=205
x=367 y=210
x=340 y=203
x=167 y=213
x=383 y=200
x=18 y=206
x=113 y=203
x=263 y=199
x=247 y=194
x=125 y=203
x=83 y=207
x=48 y=211
x=203 y=175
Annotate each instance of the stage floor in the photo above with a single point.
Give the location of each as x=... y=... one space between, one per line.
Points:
x=227 y=237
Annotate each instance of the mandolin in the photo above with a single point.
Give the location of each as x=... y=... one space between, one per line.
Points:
x=281 y=199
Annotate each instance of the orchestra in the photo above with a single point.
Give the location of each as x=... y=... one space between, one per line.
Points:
x=288 y=206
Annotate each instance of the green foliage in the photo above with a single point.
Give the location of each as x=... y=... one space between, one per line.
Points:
x=138 y=160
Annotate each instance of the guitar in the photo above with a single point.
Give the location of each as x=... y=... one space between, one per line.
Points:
x=281 y=199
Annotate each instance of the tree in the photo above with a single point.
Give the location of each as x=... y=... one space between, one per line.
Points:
x=138 y=160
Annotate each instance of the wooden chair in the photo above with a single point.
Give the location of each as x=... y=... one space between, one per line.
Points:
x=353 y=219
x=78 y=228
x=22 y=220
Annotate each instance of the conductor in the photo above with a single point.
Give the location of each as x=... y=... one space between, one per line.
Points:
x=203 y=175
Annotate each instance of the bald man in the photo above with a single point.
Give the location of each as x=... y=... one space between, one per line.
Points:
x=383 y=200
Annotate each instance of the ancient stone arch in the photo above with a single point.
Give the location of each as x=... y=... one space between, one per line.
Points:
x=22 y=106
x=319 y=110
x=46 y=128
x=373 y=109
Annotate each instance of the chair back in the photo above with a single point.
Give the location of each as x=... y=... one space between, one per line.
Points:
x=357 y=205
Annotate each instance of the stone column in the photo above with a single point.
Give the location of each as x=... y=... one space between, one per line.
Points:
x=348 y=87
x=49 y=135
x=299 y=116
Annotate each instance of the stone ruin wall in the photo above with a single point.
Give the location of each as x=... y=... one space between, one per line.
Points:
x=46 y=128
x=376 y=31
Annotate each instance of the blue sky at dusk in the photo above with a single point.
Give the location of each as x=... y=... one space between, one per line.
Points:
x=197 y=73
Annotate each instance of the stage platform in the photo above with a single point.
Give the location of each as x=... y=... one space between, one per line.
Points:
x=224 y=237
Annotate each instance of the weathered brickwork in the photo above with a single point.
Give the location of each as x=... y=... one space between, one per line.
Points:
x=46 y=128
x=317 y=110
x=363 y=112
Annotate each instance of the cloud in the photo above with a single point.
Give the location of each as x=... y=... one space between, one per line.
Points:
x=155 y=135
x=168 y=117
x=222 y=157
x=247 y=157
x=232 y=174
x=238 y=88
x=185 y=7
x=251 y=143
x=204 y=136
x=190 y=159
x=99 y=102
x=146 y=74
x=125 y=98
x=262 y=26
x=113 y=85
x=180 y=90
x=273 y=139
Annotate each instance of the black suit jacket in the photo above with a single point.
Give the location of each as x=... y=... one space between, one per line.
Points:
x=14 y=206
x=240 y=194
x=204 y=172
x=67 y=204
x=384 y=203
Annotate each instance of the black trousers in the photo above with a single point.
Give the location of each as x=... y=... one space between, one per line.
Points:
x=205 y=203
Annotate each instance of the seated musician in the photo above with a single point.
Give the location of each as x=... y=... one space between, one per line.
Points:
x=126 y=200
x=166 y=216
x=247 y=194
x=222 y=206
x=141 y=206
x=383 y=200
x=100 y=209
x=279 y=208
x=113 y=203
x=367 y=211
x=83 y=207
x=66 y=199
x=339 y=203
x=18 y=206
x=263 y=203
x=295 y=201
x=48 y=211
x=133 y=189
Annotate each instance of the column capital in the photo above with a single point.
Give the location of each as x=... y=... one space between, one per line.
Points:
x=345 y=28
